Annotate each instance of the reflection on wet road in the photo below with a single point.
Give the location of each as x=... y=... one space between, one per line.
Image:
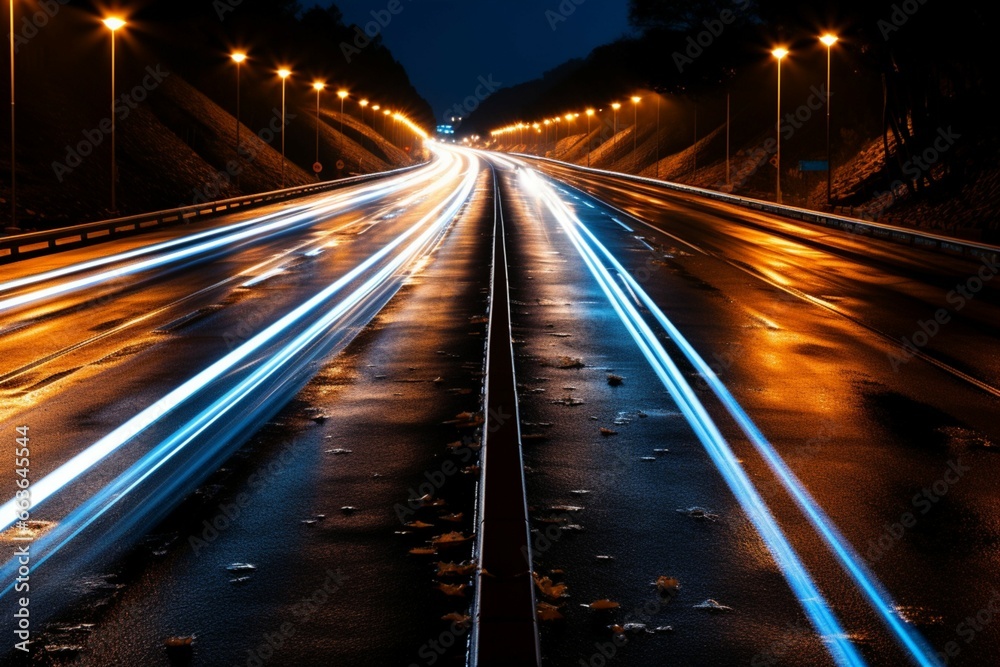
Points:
x=748 y=441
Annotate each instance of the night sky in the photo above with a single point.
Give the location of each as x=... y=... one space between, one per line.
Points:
x=447 y=45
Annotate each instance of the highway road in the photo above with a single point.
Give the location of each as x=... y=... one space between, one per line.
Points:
x=762 y=442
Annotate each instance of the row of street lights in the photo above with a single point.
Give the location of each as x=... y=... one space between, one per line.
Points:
x=827 y=39
x=239 y=57
x=116 y=23
x=569 y=118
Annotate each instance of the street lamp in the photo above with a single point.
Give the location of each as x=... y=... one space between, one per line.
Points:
x=635 y=133
x=779 y=53
x=569 y=127
x=616 y=106
x=112 y=23
x=385 y=125
x=342 y=94
x=13 y=133
x=546 y=122
x=318 y=86
x=284 y=73
x=364 y=103
x=829 y=40
x=657 y=142
x=590 y=114
x=238 y=58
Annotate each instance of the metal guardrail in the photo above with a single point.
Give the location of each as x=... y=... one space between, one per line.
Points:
x=911 y=237
x=33 y=244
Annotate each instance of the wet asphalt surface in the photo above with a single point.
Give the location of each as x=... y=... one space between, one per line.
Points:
x=797 y=322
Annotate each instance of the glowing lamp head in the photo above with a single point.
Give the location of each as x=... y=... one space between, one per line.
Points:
x=829 y=39
x=318 y=86
x=779 y=53
x=113 y=23
x=616 y=106
x=386 y=112
x=376 y=107
x=284 y=73
x=635 y=99
x=342 y=94
x=363 y=103
x=238 y=57
x=590 y=112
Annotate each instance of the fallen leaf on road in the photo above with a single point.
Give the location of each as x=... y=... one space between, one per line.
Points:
x=602 y=605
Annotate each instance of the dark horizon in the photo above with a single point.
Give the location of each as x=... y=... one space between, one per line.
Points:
x=445 y=59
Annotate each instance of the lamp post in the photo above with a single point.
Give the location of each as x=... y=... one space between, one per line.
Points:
x=385 y=125
x=546 y=122
x=728 y=172
x=635 y=133
x=569 y=128
x=779 y=53
x=318 y=86
x=657 y=142
x=364 y=103
x=342 y=94
x=284 y=73
x=113 y=23
x=829 y=40
x=13 y=133
x=590 y=114
x=238 y=58
x=616 y=106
